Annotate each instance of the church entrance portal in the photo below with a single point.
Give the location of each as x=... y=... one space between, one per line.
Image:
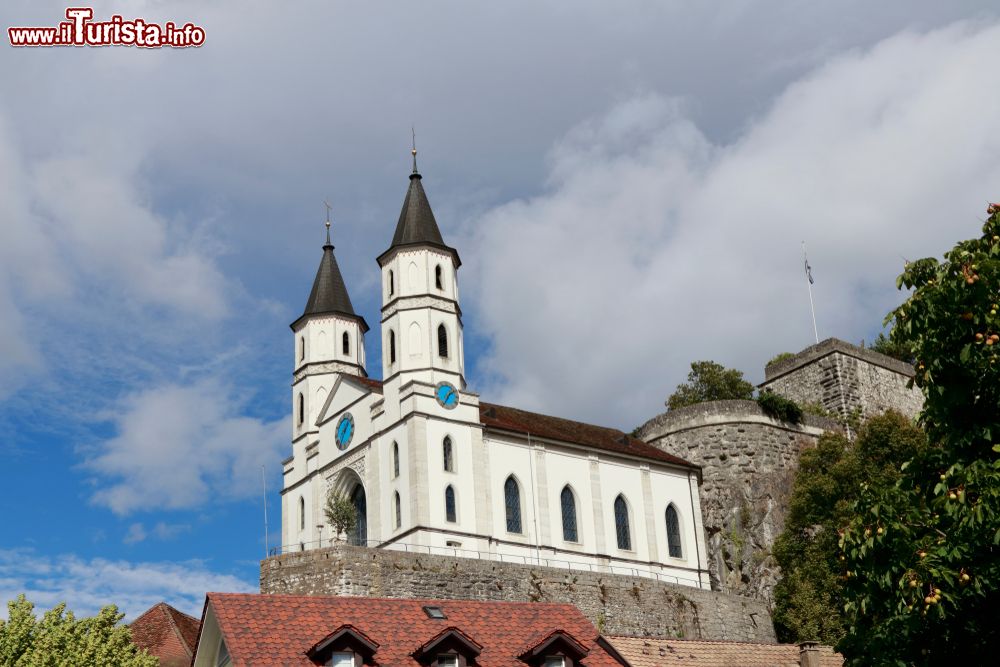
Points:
x=359 y=536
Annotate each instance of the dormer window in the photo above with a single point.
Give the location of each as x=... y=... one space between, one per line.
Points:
x=447 y=660
x=341 y=659
x=557 y=649
x=449 y=648
x=347 y=646
x=555 y=661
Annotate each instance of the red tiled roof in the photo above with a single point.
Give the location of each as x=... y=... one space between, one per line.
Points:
x=556 y=428
x=279 y=629
x=650 y=652
x=166 y=633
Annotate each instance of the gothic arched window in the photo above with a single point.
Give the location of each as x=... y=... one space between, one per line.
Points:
x=442 y=341
x=568 y=503
x=392 y=347
x=346 y=343
x=673 y=533
x=449 y=463
x=512 y=503
x=437 y=277
x=621 y=524
x=302 y=409
x=392 y=283
x=395 y=460
x=302 y=513
x=302 y=348
x=449 y=504
x=360 y=502
x=399 y=511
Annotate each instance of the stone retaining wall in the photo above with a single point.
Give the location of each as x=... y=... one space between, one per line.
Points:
x=616 y=604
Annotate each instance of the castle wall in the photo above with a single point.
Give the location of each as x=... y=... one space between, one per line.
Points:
x=846 y=380
x=748 y=464
x=616 y=604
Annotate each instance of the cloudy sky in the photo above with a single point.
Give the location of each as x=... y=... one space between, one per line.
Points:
x=629 y=185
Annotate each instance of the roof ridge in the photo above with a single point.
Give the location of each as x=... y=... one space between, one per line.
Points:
x=167 y=609
x=432 y=601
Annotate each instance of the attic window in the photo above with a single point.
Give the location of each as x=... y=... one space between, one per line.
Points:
x=555 y=661
x=434 y=612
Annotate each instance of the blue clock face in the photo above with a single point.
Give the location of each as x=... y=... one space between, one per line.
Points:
x=446 y=395
x=345 y=431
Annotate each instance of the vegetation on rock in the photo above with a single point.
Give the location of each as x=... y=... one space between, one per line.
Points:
x=780 y=407
x=59 y=638
x=340 y=513
x=709 y=381
x=921 y=565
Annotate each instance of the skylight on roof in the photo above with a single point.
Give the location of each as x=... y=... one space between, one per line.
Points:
x=434 y=612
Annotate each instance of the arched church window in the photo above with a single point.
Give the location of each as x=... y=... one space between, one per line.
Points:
x=449 y=504
x=302 y=513
x=621 y=524
x=437 y=277
x=302 y=409
x=360 y=536
x=512 y=503
x=449 y=463
x=673 y=533
x=399 y=511
x=346 y=343
x=568 y=503
x=442 y=341
x=302 y=348
x=392 y=283
x=395 y=460
x=392 y=347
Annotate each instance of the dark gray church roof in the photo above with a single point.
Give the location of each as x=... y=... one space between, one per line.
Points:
x=329 y=293
x=417 y=225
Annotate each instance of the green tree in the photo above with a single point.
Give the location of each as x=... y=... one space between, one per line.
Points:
x=808 y=599
x=895 y=348
x=341 y=513
x=922 y=558
x=709 y=381
x=60 y=639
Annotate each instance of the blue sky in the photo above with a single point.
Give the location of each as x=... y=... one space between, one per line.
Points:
x=628 y=185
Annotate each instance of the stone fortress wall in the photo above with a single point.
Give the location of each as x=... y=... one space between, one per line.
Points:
x=616 y=604
x=748 y=464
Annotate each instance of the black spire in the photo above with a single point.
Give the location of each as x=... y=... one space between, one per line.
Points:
x=417 y=225
x=329 y=293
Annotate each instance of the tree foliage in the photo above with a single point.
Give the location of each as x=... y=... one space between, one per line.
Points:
x=809 y=597
x=709 y=381
x=922 y=558
x=340 y=512
x=59 y=638
x=893 y=347
x=780 y=407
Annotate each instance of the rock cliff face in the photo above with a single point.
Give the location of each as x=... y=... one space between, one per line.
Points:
x=748 y=464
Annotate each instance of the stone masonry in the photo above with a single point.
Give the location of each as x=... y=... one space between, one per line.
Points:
x=846 y=380
x=748 y=464
x=616 y=604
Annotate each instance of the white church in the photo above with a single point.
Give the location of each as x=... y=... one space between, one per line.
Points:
x=431 y=468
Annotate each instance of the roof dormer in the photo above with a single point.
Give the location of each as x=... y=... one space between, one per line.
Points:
x=347 y=646
x=556 y=649
x=449 y=648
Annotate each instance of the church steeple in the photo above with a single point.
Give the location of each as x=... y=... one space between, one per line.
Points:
x=421 y=318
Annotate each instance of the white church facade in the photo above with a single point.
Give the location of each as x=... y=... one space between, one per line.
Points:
x=433 y=469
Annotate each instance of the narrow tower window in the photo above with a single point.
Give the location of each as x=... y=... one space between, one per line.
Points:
x=673 y=533
x=395 y=460
x=392 y=347
x=302 y=409
x=392 y=283
x=442 y=341
x=568 y=514
x=621 y=524
x=449 y=464
x=399 y=511
x=346 y=343
x=302 y=348
x=437 y=277
x=512 y=503
x=449 y=504
x=302 y=513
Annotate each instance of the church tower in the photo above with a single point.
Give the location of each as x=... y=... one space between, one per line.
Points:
x=329 y=340
x=421 y=320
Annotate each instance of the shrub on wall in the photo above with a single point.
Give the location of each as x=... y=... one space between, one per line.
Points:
x=780 y=407
x=780 y=357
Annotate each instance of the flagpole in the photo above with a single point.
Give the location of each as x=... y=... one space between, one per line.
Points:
x=263 y=479
x=812 y=306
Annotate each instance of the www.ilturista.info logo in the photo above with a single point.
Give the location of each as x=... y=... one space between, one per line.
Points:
x=80 y=30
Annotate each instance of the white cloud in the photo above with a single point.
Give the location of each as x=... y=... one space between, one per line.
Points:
x=182 y=446
x=654 y=246
x=86 y=585
x=162 y=531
